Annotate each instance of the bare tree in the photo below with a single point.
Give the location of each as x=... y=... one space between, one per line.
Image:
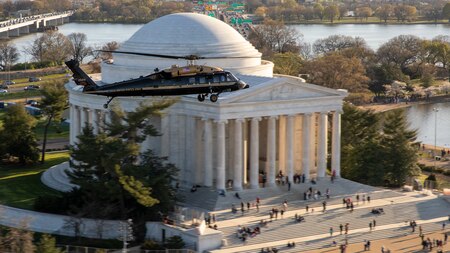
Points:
x=275 y=37
x=51 y=46
x=110 y=46
x=400 y=51
x=79 y=50
x=335 y=43
x=8 y=54
x=385 y=12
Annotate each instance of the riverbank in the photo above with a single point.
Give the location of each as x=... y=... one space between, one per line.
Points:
x=380 y=107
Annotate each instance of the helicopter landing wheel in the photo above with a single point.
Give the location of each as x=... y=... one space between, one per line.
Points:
x=107 y=103
x=201 y=97
x=214 y=98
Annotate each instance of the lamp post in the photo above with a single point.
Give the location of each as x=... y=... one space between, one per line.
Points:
x=435 y=110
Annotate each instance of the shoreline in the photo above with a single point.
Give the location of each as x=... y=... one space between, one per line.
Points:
x=380 y=107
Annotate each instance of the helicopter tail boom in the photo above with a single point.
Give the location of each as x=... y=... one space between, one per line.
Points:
x=79 y=76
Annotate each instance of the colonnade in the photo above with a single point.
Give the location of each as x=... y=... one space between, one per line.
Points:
x=242 y=150
x=282 y=137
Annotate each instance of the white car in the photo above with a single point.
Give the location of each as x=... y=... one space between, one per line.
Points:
x=3 y=91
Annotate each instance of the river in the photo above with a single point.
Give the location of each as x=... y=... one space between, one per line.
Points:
x=374 y=34
x=421 y=117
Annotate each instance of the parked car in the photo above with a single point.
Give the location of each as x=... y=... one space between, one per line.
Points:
x=34 y=79
x=4 y=86
x=3 y=91
x=32 y=87
x=32 y=102
x=8 y=82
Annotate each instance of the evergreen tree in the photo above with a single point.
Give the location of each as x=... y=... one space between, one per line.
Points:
x=17 y=138
x=53 y=103
x=111 y=170
x=47 y=244
x=398 y=144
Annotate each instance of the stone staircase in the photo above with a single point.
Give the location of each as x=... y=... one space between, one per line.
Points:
x=56 y=178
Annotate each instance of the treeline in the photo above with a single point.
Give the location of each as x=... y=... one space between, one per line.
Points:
x=344 y=62
x=129 y=11
x=291 y=11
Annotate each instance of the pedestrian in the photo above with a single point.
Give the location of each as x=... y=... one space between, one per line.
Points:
x=214 y=218
x=368 y=244
x=282 y=212
x=357 y=199
x=374 y=223
x=368 y=199
x=346 y=228
x=257 y=200
x=370 y=226
x=248 y=206
x=307 y=208
x=324 y=205
x=420 y=230
x=344 y=201
x=331 y=231
x=289 y=186
x=341 y=228
x=351 y=207
x=445 y=238
x=443 y=226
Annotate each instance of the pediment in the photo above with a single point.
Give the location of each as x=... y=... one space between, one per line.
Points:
x=283 y=89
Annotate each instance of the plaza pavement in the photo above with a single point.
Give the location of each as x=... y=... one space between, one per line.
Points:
x=429 y=211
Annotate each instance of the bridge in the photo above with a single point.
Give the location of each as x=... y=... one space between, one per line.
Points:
x=36 y=23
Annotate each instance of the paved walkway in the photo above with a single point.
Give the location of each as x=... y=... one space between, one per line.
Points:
x=428 y=211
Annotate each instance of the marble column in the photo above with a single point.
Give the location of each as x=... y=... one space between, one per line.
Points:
x=290 y=136
x=207 y=152
x=254 y=154
x=95 y=120
x=306 y=149
x=83 y=118
x=76 y=123
x=238 y=164
x=322 y=145
x=72 y=124
x=336 y=144
x=220 y=182
x=272 y=150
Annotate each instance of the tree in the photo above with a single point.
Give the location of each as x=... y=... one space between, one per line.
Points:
x=53 y=103
x=400 y=51
x=52 y=46
x=364 y=12
x=385 y=12
x=405 y=12
x=334 y=43
x=17 y=138
x=398 y=143
x=79 y=49
x=8 y=54
x=331 y=12
x=446 y=11
x=287 y=64
x=19 y=240
x=338 y=72
x=107 y=48
x=319 y=11
x=47 y=244
x=275 y=37
x=111 y=170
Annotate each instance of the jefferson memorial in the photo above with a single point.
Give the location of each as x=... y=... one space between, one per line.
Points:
x=279 y=124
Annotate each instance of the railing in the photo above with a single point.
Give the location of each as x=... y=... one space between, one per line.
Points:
x=83 y=249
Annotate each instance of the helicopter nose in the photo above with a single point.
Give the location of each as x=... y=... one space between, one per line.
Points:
x=242 y=85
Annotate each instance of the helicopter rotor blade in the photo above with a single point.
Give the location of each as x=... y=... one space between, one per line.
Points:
x=188 y=57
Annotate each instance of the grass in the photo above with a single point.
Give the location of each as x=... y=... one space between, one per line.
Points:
x=20 y=94
x=20 y=186
x=54 y=132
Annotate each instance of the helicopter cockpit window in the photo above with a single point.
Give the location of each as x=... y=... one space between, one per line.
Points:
x=230 y=78
x=222 y=78
x=217 y=79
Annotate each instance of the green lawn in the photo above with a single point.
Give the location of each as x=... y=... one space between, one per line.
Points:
x=21 y=185
x=54 y=132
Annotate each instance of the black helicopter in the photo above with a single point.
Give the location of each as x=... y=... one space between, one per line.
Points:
x=191 y=79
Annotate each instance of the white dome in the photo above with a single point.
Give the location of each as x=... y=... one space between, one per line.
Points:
x=184 y=34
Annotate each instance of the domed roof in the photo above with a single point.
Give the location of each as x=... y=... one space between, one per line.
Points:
x=184 y=34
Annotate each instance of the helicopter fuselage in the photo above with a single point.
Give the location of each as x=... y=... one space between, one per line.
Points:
x=164 y=84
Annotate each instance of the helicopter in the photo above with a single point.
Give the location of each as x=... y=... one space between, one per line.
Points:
x=175 y=80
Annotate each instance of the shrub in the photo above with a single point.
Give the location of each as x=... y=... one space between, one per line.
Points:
x=151 y=245
x=359 y=98
x=175 y=242
x=431 y=177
